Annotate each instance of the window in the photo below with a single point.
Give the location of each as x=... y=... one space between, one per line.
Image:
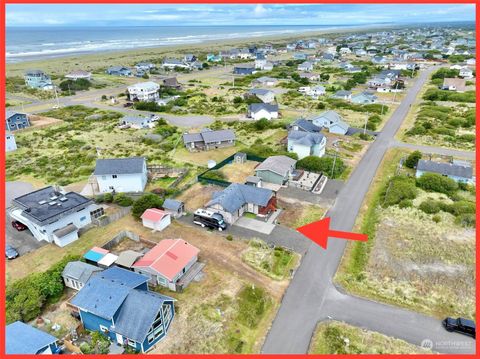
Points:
x=103 y=328
x=114 y=176
x=132 y=343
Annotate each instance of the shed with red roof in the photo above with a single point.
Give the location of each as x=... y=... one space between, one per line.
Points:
x=168 y=262
x=155 y=219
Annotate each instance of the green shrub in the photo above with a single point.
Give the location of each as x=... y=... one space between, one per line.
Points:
x=122 y=200
x=145 y=202
x=437 y=183
x=108 y=197
x=466 y=220
x=322 y=165
x=412 y=159
x=405 y=203
x=436 y=218
x=429 y=206
x=400 y=188
x=253 y=303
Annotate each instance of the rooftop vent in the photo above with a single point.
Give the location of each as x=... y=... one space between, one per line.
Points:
x=42 y=202
x=63 y=199
x=53 y=197
x=52 y=203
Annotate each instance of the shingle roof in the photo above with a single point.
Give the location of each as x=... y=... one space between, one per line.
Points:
x=278 y=164
x=256 y=107
x=119 y=166
x=80 y=271
x=208 y=136
x=137 y=314
x=9 y=113
x=333 y=117
x=172 y=204
x=21 y=338
x=305 y=138
x=259 y=92
x=236 y=195
x=449 y=169
x=306 y=125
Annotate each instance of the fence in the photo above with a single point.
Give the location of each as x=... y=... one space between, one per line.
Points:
x=105 y=220
x=202 y=177
x=121 y=235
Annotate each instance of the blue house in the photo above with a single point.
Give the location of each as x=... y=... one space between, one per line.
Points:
x=244 y=69
x=22 y=338
x=37 y=79
x=459 y=171
x=117 y=303
x=119 y=71
x=15 y=121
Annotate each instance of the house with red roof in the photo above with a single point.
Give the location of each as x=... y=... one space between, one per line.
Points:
x=172 y=263
x=156 y=219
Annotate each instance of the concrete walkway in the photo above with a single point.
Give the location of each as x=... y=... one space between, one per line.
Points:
x=255 y=225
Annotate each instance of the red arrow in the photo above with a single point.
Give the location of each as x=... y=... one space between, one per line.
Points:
x=319 y=232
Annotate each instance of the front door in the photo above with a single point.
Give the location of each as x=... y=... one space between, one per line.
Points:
x=119 y=338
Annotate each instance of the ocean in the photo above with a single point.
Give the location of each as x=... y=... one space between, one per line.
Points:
x=34 y=43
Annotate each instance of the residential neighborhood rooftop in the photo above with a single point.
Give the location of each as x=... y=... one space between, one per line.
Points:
x=119 y=166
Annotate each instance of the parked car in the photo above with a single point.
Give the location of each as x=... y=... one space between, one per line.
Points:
x=10 y=252
x=19 y=226
x=460 y=325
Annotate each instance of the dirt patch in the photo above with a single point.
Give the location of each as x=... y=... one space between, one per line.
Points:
x=295 y=214
x=197 y=195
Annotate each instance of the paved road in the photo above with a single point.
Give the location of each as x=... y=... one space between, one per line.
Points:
x=304 y=303
x=412 y=327
x=436 y=150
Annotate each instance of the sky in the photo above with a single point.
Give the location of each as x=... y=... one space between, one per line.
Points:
x=209 y=14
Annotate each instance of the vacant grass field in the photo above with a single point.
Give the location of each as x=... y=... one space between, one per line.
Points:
x=295 y=215
x=276 y=262
x=424 y=262
x=238 y=172
x=341 y=338
x=197 y=195
x=65 y=153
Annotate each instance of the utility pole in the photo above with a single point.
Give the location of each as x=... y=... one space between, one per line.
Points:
x=395 y=92
x=334 y=161
x=56 y=96
x=365 y=127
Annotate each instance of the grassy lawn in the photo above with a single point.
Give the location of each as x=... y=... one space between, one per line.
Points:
x=341 y=338
x=276 y=262
x=424 y=262
x=238 y=172
x=250 y=215
x=202 y=157
x=163 y=182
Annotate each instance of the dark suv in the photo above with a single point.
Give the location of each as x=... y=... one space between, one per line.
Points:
x=460 y=325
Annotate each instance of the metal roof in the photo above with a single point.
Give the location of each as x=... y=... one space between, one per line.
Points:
x=21 y=338
x=112 y=166
x=172 y=204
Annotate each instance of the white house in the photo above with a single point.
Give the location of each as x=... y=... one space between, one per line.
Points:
x=121 y=174
x=466 y=73
x=316 y=91
x=173 y=63
x=156 y=219
x=79 y=74
x=144 y=91
x=266 y=96
x=344 y=51
x=137 y=122
x=10 y=143
x=51 y=215
x=305 y=66
x=306 y=143
x=258 y=111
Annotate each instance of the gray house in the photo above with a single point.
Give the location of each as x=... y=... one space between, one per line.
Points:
x=238 y=198
x=276 y=169
x=459 y=171
x=305 y=126
x=332 y=121
x=208 y=139
x=76 y=274
x=15 y=121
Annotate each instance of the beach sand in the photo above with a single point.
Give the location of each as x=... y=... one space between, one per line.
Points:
x=97 y=62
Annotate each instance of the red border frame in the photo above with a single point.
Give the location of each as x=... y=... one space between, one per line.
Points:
x=2 y=153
